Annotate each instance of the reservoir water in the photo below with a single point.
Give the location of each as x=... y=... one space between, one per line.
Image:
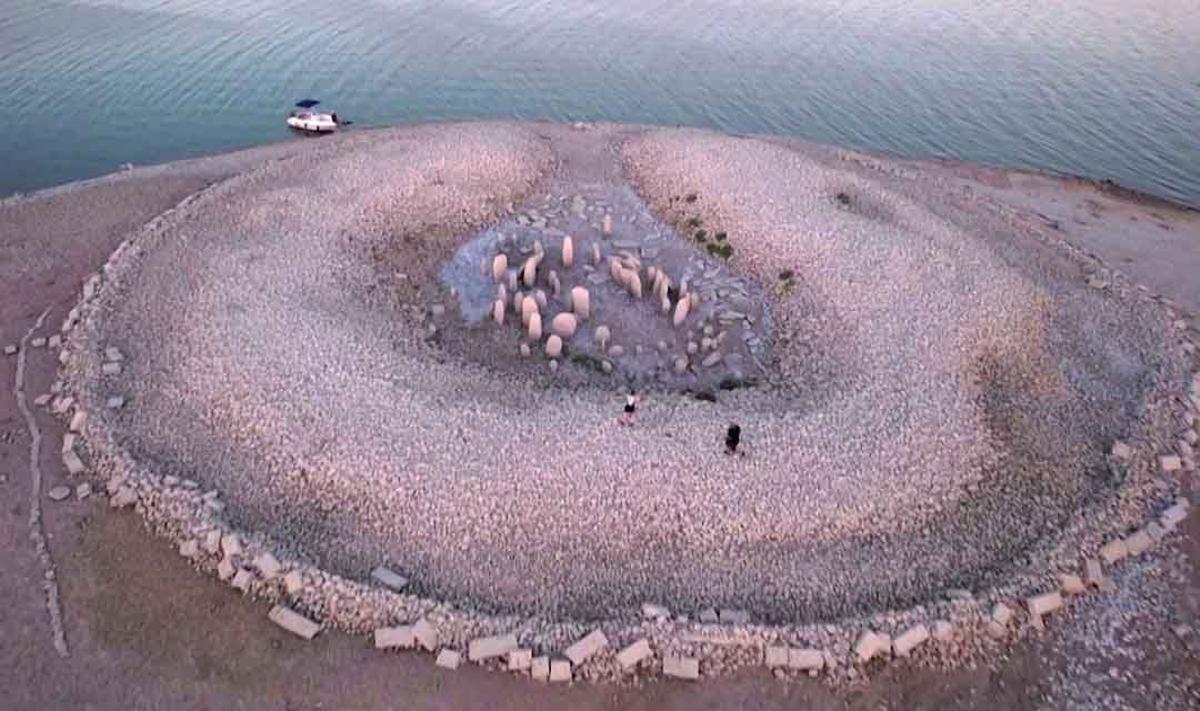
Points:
x=1102 y=88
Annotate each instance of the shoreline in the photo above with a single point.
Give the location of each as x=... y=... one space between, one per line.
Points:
x=59 y=191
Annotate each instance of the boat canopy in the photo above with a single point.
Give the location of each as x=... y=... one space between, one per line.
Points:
x=307 y=103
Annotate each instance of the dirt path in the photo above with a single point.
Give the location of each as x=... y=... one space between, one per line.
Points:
x=145 y=631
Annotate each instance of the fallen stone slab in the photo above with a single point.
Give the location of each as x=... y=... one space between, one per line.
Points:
x=10 y=350
x=59 y=493
x=1175 y=514
x=579 y=652
x=734 y=617
x=74 y=464
x=709 y=616
x=943 y=631
x=651 y=611
x=83 y=491
x=1170 y=463
x=389 y=578
x=78 y=420
x=225 y=569
x=242 y=579
x=1113 y=551
x=632 y=655
x=267 y=565
x=1139 y=542
x=294 y=622
x=116 y=402
x=1071 y=584
x=871 y=645
x=905 y=643
x=560 y=670
x=399 y=637
x=520 y=659
x=1155 y=531
x=490 y=647
x=426 y=634
x=1044 y=604
x=448 y=659
x=806 y=659
x=1093 y=574
x=110 y=368
x=125 y=496
x=775 y=656
x=681 y=667
x=42 y=400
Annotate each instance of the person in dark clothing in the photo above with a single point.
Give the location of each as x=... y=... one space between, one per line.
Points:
x=733 y=437
x=628 y=418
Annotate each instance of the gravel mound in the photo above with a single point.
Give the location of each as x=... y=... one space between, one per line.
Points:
x=941 y=393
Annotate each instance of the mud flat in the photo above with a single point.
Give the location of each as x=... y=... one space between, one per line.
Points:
x=936 y=395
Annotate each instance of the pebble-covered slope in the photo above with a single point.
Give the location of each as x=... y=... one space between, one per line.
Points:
x=936 y=406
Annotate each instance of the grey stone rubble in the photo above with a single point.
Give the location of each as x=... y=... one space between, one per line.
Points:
x=124 y=494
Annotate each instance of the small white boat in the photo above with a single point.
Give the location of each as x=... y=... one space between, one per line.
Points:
x=305 y=117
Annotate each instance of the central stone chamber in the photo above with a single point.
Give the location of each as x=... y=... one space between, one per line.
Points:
x=592 y=285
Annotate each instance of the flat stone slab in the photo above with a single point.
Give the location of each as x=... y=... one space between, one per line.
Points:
x=1113 y=551
x=490 y=647
x=560 y=670
x=775 y=656
x=806 y=659
x=389 y=578
x=293 y=622
x=579 y=652
x=520 y=659
x=539 y=668
x=426 y=634
x=448 y=659
x=1044 y=604
x=59 y=493
x=629 y=657
x=681 y=667
x=400 y=637
x=912 y=638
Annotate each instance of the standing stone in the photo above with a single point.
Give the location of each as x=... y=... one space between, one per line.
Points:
x=607 y=227
x=294 y=622
x=581 y=303
x=1170 y=463
x=231 y=545
x=518 y=302
x=293 y=582
x=555 y=283
x=554 y=346
x=563 y=325
x=512 y=280
x=633 y=283
x=528 y=307
x=499 y=266
x=535 y=327
x=602 y=335
x=595 y=255
x=870 y=645
x=579 y=652
x=523 y=349
x=498 y=312
x=943 y=631
x=267 y=565
x=502 y=292
x=78 y=421
x=539 y=296
x=681 y=312
x=448 y=659
x=529 y=272
x=568 y=252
